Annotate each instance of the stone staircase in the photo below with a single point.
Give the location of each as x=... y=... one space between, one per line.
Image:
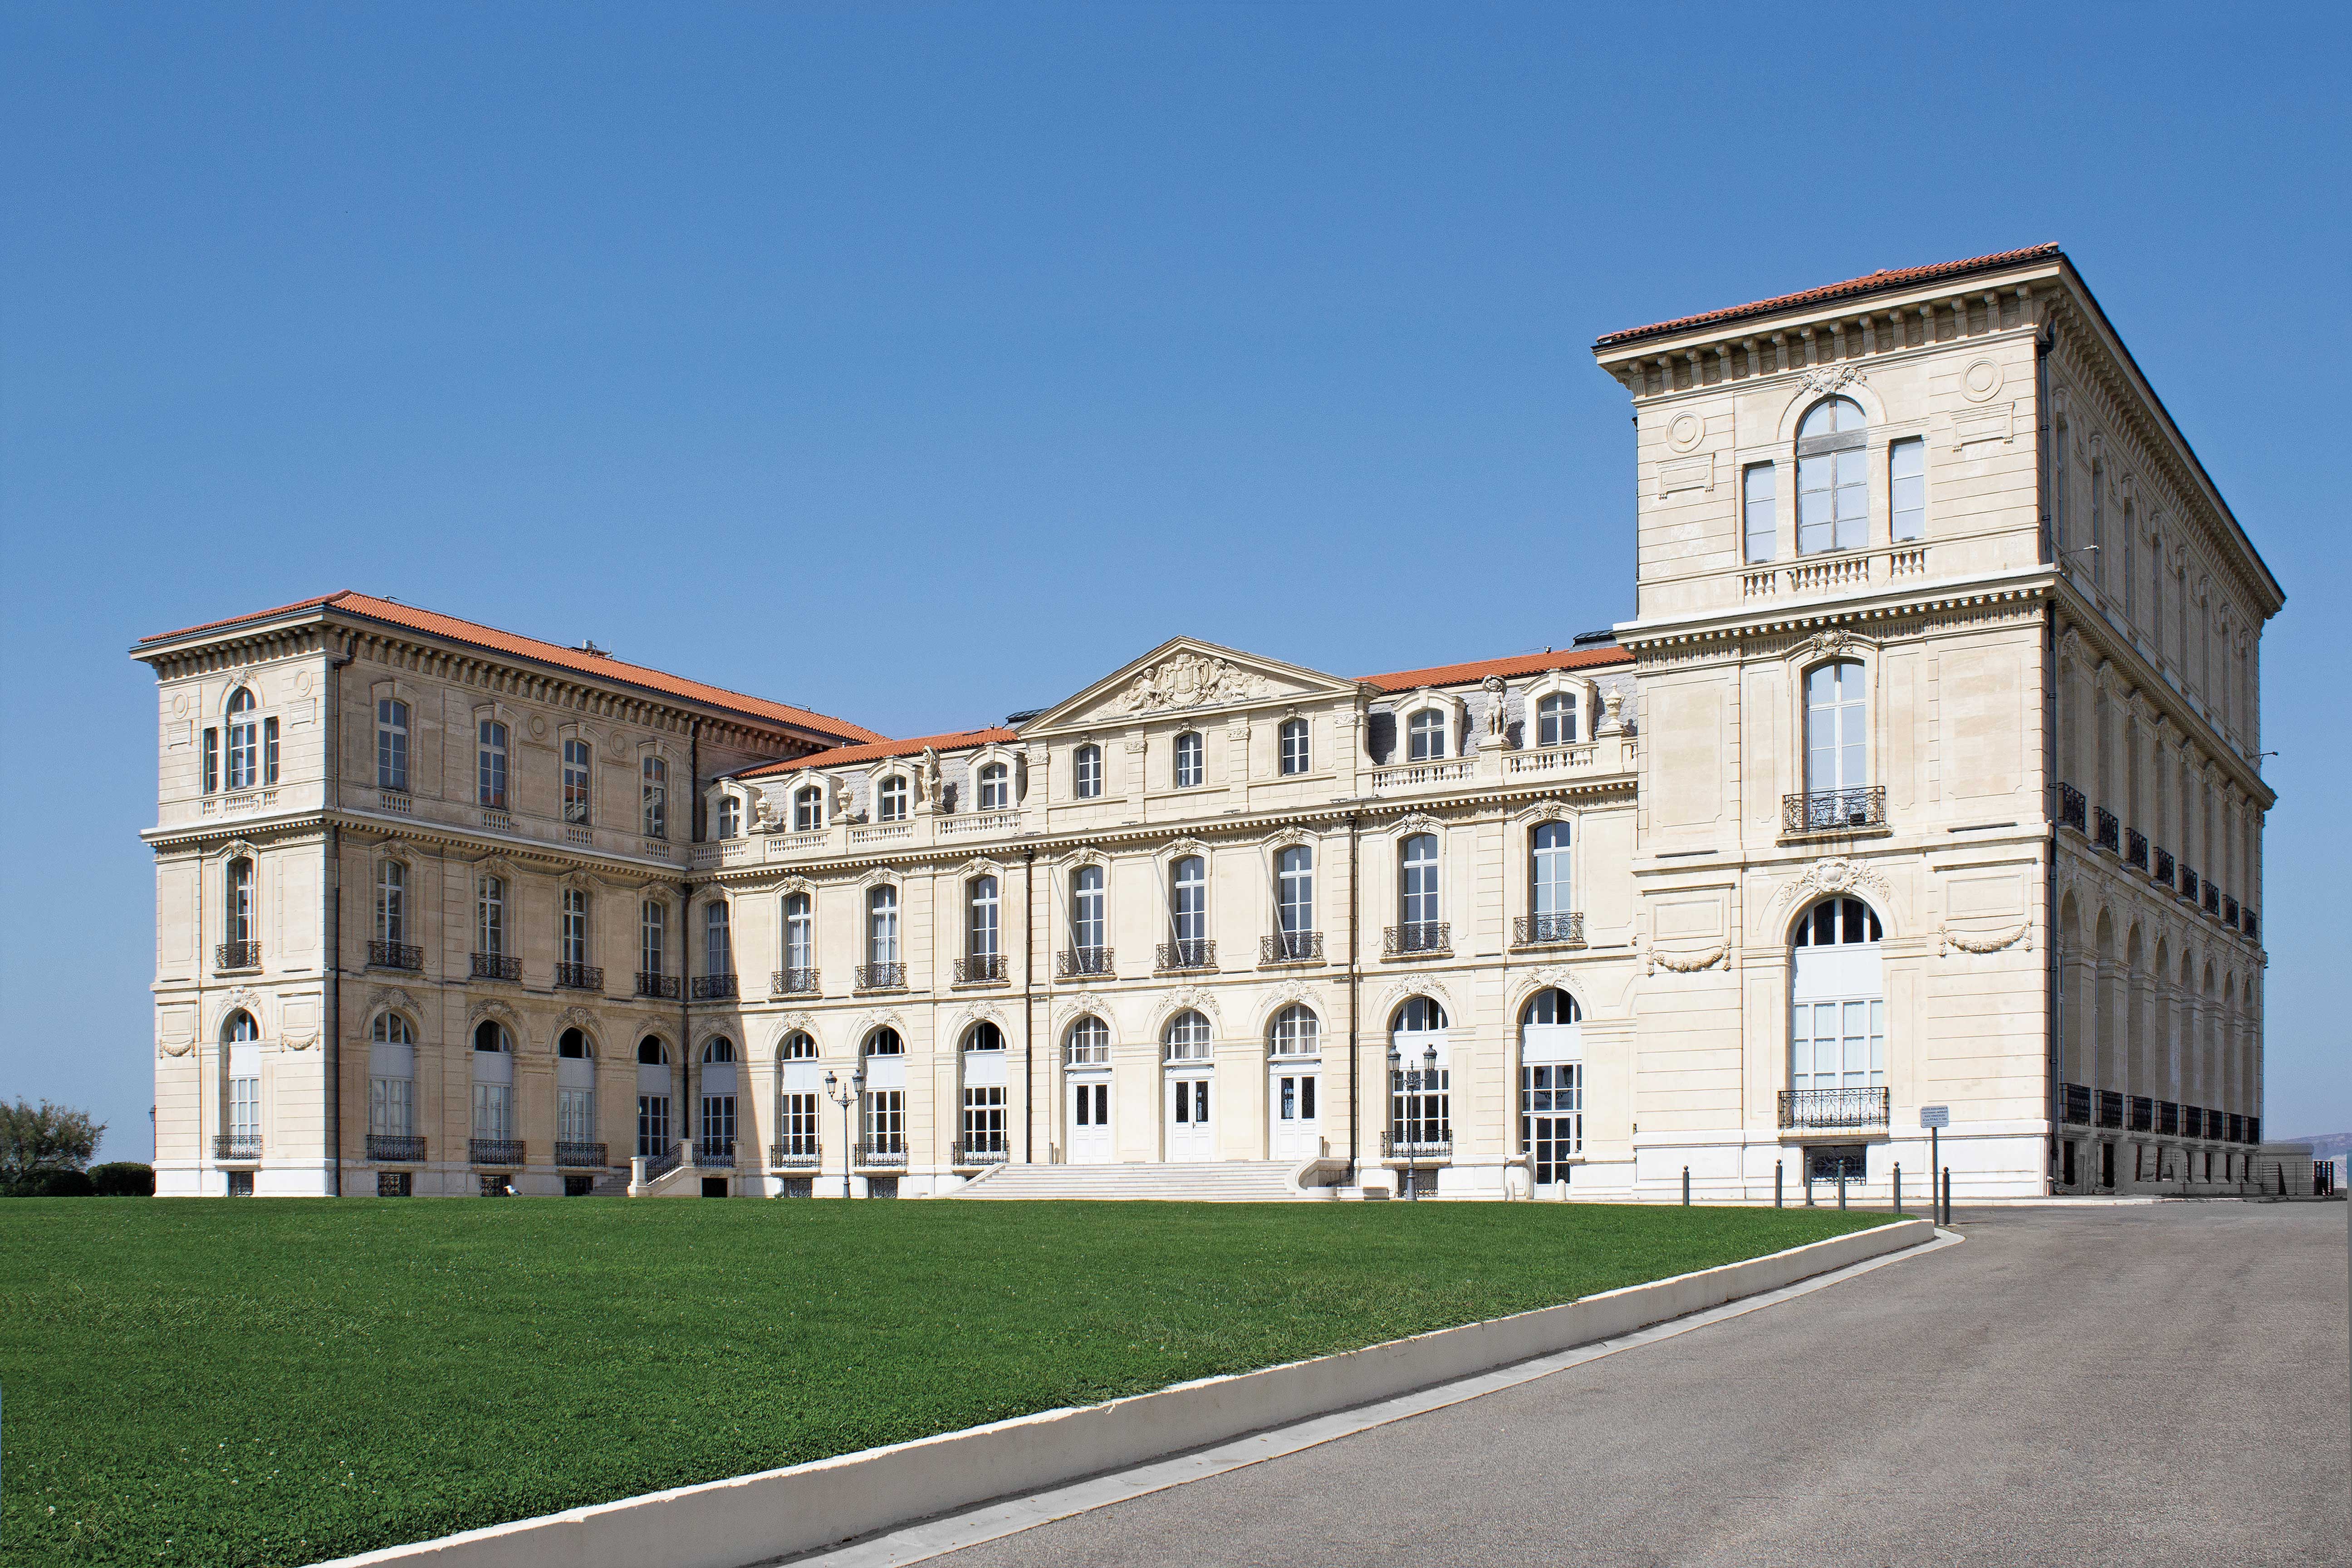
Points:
x=1222 y=1181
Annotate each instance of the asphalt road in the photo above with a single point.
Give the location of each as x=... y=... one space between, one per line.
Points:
x=2142 y=1385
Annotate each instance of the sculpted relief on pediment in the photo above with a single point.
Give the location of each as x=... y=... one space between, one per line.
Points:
x=1189 y=680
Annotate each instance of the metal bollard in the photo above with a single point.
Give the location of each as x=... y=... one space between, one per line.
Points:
x=1840 y=1187
x=1686 y=1186
x=1776 y=1184
x=1809 y=1187
x=1947 y=1198
x=1898 y=1188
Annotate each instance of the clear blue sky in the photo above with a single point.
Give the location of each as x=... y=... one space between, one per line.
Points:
x=919 y=365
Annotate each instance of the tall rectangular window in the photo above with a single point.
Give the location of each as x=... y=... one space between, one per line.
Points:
x=575 y=1115
x=1295 y=876
x=575 y=926
x=391 y=901
x=1086 y=924
x=1757 y=510
x=238 y=926
x=245 y=1107
x=717 y=1123
x=576 y=758
x=269 y=751
x=391 y=745
x=886 y=1118
x=244 y=742
x=494 y=1110
x=391 y=1106
x=212 y=761
x=1549 y=874
x=1419 y=881
x=653 y=936
x=657 y=792
x=491 y=765
x=983 y=936
x=1835 y=730
x=1906 y=476
x=983 y=1118
x=717 y=952
x=882 y=925
x=800 y=933
x=1294 y=757
x=1086 y=773
x=491 y=918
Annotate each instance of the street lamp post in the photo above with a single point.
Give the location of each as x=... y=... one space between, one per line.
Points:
x=844 y=1095
x=1398 y=1102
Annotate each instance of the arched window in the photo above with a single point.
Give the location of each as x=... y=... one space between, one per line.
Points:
x=1837 y=922
x=718 y=946
x=238 y=922
x=1187 y=1038
x=575 y=1101
x=731 y=817
x=491 y=1037
x=985 y=1096
x=1421 y=1076
x=1086 y=773
x=652 y=1053
x=391 y=1088
x=653 y=942
x=1836 y=727
x=885 y=1042
x=1425 y=736
x=1552 y=1084
x=391 y=903
x=391 y=743
x=982 y=913
x=800 y=942
x=243 y=741
x=577 y=756
x=572 y=1045
x=239 y=1028
x=1296 y=1032
x=653 y=1097
x=808 y=810
x=797 y=1100
x=995 y=787
x=1832 y=477
x=243 y=1039
x=882 y=924
x=491 y=765
x=656 y=791
x=1551 y=1007
x=797 y=1047
x=1189 y=771
x=1088 y=927
x=1295 y=889
x=1417 y=1014
x=983 y=1037
x=1188 y=910
x=717 y=1131
x=890 y=799
x=1551 y=886
x=493 y=1078
x=1837 y=1034
x=1296 y=758
x=391 y=1029
x=1420 y=930
x=717 y=1049
x=572 y=948
x=1088 y=1043
x=1556 y=720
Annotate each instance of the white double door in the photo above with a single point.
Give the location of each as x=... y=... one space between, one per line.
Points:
x=1185 y=1102
x=1089 y=1123
x=1294 y=1098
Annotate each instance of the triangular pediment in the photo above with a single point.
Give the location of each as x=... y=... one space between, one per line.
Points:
x=1187 y=676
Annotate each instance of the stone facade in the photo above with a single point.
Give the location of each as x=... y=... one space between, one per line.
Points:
x=1887 y=797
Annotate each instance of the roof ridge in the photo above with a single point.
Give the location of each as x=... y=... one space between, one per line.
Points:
x=1869 y=283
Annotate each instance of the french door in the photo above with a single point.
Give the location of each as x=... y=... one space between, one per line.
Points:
x=1190 y=1136
x=1090 y=1140
x=1294 y=1100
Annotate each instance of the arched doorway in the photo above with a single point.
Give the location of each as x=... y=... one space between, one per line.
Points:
x=1294 y=1084
x=1837 y=1034
x=1189 y=1073
x=1085 y=1071
x=1552 y=1084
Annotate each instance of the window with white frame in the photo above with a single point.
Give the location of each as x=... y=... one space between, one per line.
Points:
x=1552 y=1084
x=1086 y=773
x=1837 y=1033
x=797 y=1100
x=1188 y=908
x=1555 y=718
x=1425 y=736
x=718 y=945
x=1086 y=909
x=576 y=1092
x=1088 y=1043
x=1189 y=768
x=653 y=1097
x=653 y=937
x=490 y=917
x=995 y=786
x=885 y=1109
x=392 y=1078
x=1836 y=731
x=1906 y=487
x=243 y=741
x=1417 y=886
x=808 y=810
x=1187 y=1038
x=983 y=1090
x=1296 y=757
x=718 y=1129
x=237 y=923
x=731 y=817
x=655 y=793
x=493 y=1081
x=391 y=901
x=1550 y=883
x=980 y=919
x=242 y=1037
x=577 y=758
x=1833 y=478
x=574 y=933
x=212 y=760
x=882 y=924
x=1421 y=1091
x=800 y=936
x=890 y=799
x=491 y=765
x=1759 y=520
x=391 y=743
x=1294 y=879
x=1296 y=1032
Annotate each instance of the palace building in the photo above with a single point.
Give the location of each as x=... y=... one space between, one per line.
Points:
x=1922 y=786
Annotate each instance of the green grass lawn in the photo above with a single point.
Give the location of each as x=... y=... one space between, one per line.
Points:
x=277 y=1382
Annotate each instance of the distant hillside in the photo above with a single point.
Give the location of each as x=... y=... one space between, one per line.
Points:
x=2327 y=1145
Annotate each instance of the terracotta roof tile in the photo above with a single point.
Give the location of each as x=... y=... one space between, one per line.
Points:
x=1901 y=277
x=599 y=667
x=1480 y=670
x=842 y=756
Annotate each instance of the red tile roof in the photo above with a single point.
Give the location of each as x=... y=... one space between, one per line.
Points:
x=960 y=740
x=596 y=667
x=1882 y=279
x=1518 y=663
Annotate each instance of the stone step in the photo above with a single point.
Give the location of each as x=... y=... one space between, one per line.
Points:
x=1251 y=1180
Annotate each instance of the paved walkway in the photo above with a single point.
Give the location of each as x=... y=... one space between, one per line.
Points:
x=2144 y=1385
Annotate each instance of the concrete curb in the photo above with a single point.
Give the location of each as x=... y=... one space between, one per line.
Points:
x=774 y=1513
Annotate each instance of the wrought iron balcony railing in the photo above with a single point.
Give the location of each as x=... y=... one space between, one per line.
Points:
x=1072 y=962
x=494 y=1151
x=1418 y=1146
x=1417 y=936
x=395 y=955
x=978 y=1149
x=2164 y=866
x=660 y=988
x=881 y=977
x=1192 y=954
x=497 y=966
x=2213 y=899
x=579 y=1155
x=2251 y=924
x=2167 y=1117
x=2111 y=1108
x=2075 y=1104
x=237 y=1146
x=713 y=987
x=2073 y=811
x=398 y=1147
x=2188 y=883
x=1291 y=947
x=1833 y=810
x=2143 y=1113
x=237 y=955
x=981 y=968
x=2192 y=1122
x=1805 y=1110
x=2109 y=835
x=2135 y=849
x=2253 y=1129
x=883 y=1151
x=714 y=1156
x=794 y=1150
x=1549 y=930
x=2228 y=908
x=792 y=983
x=580 y=976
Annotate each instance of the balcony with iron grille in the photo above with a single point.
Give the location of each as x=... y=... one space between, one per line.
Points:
x=795 y=1151
x=2213 y=899
x=792 y=983
x=579 y=1156
x=1423 y=1150
x=398 y=1147
x=579 y=977
x=1833 y=1110
x=2230 y=909
x=2074 y=810
x=1418 y=938
x=2075 y=1104
x=1177 y=957
x=395 y=955
x=2135 y=849
x=982 y=969
x=2111 y=1108
x=656 y=987
x=976 y=1150
x=497 y=966
x=498 y=1152
x=1835 y=811
x=1549 y=930
x=888 y=1154
x=2109 y=833
x=237 y=1146
x=237 y=955
x=2188 y=883
x=2167 y=1117
x=2251 y=924
x=1291 y=947
x=2164 y=871
x=710 y=1156
x=881 y=977
x=2142 y=1110
x=1074 y=963
x=713 y=987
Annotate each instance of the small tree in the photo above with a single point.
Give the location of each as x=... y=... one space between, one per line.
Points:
x=53 y=1138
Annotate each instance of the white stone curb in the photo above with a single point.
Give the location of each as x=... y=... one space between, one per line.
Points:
x=774 y=1513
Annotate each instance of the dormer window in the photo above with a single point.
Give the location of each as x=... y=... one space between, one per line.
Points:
x=808 y=810
x=1189 y=769
x=1833 y=478
x=1556 y=720
x=731 y=817
x=1425 y=736
x=995 y=787
x=1086 y=773
x=890 y=799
